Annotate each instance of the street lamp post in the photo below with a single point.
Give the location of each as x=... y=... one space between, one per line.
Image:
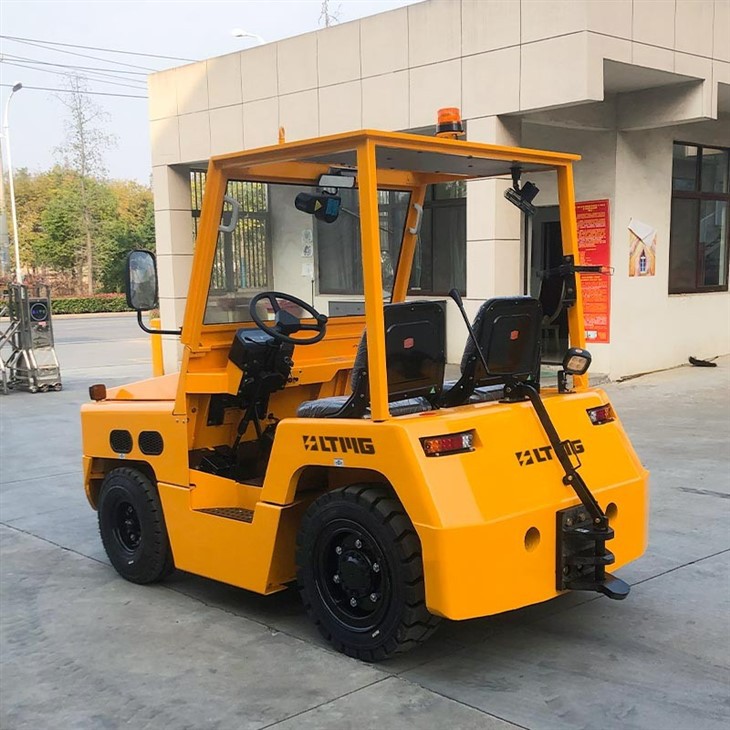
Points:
x=13 y=211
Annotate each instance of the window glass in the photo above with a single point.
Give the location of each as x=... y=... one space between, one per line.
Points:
x=684 y=169
x=683 y=246
x=713 y=241
x=338 y=244
x=714 y=170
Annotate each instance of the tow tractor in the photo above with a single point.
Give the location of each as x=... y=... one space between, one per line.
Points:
x=332 y=452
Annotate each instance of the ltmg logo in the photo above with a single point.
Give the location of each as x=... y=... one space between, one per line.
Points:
x=545 y=453
x=339 y=444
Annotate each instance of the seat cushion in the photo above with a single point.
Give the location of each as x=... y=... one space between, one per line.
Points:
x=328 y=407
x=480 y=395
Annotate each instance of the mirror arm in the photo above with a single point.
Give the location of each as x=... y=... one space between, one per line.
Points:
x=145 y=328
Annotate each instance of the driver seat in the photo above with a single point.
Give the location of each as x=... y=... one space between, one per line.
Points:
x=415 y=344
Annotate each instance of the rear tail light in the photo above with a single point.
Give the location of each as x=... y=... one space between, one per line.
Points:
x=452 y=443
x=602 y=414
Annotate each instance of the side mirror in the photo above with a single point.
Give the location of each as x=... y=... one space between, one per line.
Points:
x=141 y=280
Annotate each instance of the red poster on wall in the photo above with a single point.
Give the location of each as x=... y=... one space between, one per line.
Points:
x=594 y=246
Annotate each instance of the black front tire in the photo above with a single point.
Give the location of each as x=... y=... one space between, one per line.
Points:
x=360 y=573
x=132 y=526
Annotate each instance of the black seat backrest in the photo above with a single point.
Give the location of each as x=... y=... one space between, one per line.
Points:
x=508 y=330
x=415 y=355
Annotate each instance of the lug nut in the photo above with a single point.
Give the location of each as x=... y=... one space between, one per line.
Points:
x=569 y=522
x=374 y=597
x=353 y=602
x=336 y=577
x=358 y=544
x=338 y=550
x=376 y=568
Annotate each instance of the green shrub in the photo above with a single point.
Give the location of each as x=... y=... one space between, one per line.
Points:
x=90 y=305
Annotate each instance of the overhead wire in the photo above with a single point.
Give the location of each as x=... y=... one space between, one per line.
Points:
x=64 y=73
x=82 y=55
x=34 y=61
x=96 y=48
x=69 y=91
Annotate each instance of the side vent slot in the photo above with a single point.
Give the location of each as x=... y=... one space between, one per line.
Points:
x=120 y=441
x=151 y=443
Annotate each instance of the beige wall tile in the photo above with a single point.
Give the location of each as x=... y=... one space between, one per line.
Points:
x=693 y=24
x=434 y=31
x=508 y=271
x=165 y=141
x=384 y=42
x=258 y=72
x=652 y=57
x=226 y=129
x=489 y=215
x=489 y=24
x=170 y=188
x=162 y=92
x=554 y=72
x=260 y=123
x=299 y=115
x=385 y=101
x=491 y=83
x=172 y=312
x=612 y=17
x=654 y=22
x=433 y=87
x=224 y=80
x=542 y=19
x=479 y=271
x=695 y=66
x=192 y=88
x=721 y=31
x=174 y=232
x=297 y=63
x=496 y=130
x=174 y=273
x=194 y=137
x=338 y=53
x=340 y=108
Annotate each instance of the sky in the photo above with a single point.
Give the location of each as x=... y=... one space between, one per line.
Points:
x=192 y=30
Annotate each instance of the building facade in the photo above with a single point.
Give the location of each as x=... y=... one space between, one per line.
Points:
x=639 y=88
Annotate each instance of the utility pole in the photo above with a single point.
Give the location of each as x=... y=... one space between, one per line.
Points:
x=6 y=134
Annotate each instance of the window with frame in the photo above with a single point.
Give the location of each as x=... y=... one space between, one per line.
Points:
x=698 y=246
x=439 y=261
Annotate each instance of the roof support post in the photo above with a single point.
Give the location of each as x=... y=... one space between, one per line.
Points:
x=569 y=233
x=372 y=279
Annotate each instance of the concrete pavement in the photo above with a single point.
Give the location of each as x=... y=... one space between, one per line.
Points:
x=81 y=648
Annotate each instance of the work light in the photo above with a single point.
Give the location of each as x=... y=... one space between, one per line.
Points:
x=576 y=361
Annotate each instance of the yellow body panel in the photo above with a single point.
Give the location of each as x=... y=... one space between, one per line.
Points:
x=472 y=511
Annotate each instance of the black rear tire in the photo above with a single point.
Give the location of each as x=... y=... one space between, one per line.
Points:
x=132 y=526
x=360 y=573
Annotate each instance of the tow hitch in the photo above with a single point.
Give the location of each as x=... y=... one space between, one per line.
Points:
x=582 y=532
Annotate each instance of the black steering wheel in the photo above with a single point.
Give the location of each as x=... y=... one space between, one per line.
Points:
x=286 y=324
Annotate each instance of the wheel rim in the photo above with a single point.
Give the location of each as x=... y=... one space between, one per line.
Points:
x=127 y=529
x=352 y=575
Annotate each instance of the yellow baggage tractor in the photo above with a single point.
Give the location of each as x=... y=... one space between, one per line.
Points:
x=331 y=452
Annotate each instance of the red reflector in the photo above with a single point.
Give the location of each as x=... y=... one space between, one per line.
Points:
x=448 y=444
x=408 y=343
x=514 y=334
x=602 y=414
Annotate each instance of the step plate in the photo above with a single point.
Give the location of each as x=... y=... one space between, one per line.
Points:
x=231 y=513
x=570 y=543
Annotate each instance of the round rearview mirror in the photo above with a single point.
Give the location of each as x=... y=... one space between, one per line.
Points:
x=141 y=280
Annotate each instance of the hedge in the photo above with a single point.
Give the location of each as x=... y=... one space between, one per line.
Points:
x=90 y=305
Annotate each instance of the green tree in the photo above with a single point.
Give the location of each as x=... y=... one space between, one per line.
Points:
x=83 y=153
